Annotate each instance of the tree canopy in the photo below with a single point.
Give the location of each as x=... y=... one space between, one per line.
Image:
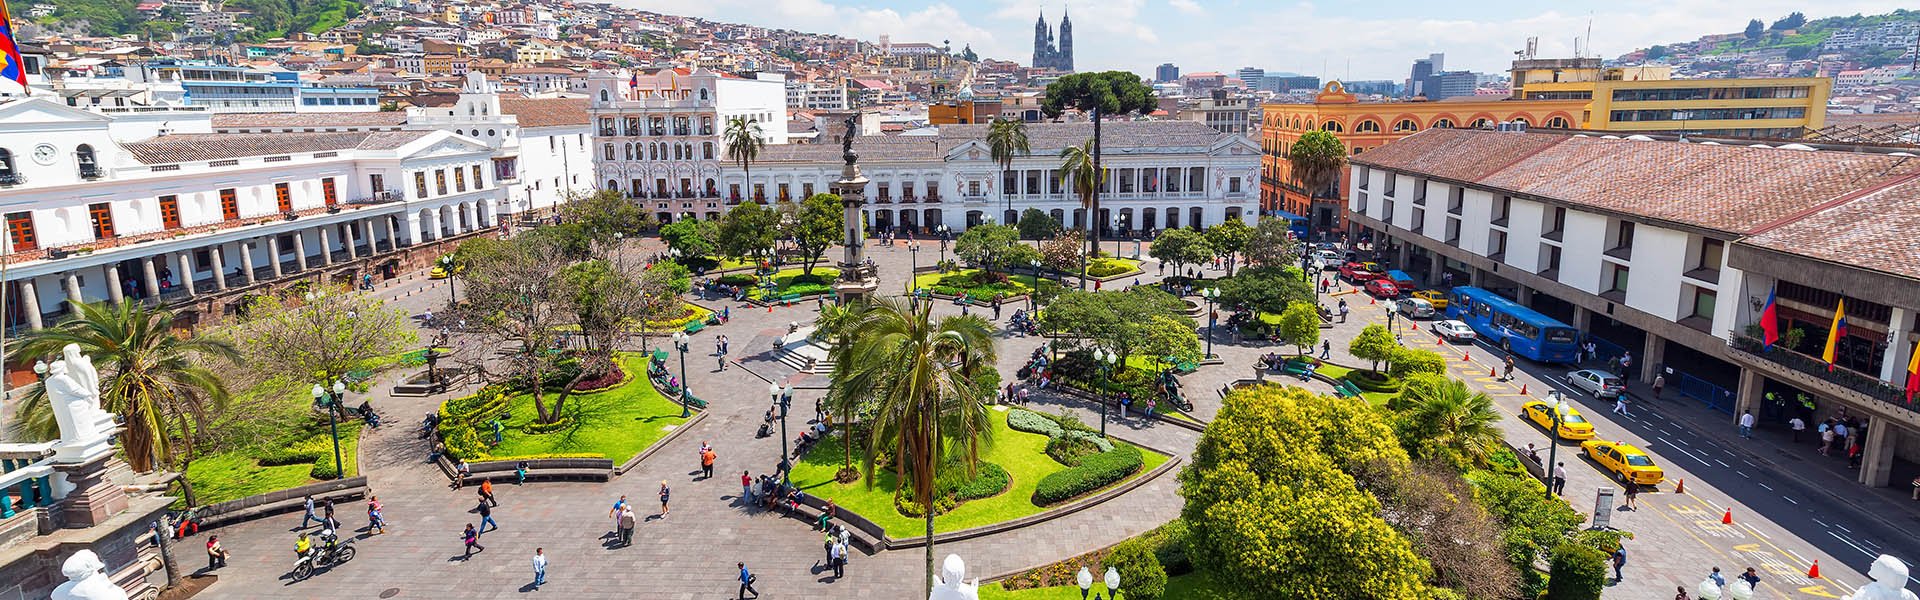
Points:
x=1229 y=239
x=813 y=226
x=1036 y=225
x=1272 y=244
x=1266 y=289
x=747 y=230
x=604 y=213
x=986 y=245
x=1112 y=92
x=1134 y=320
x=690 y=237
x=1180 y=247
x=1374 y=344
x=1300 y=324
x=1317 y=159
x=323 y=337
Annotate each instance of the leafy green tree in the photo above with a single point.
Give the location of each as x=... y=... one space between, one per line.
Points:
x=1180 y=247
x=1266 y=289
x=1453 y=424
x=163 y=386
x=744 y=140
x=986 y=245
x=1230 y=239
x=1754 y=28
x=603 y=213
x=569 y=241
x=928 y=409
x=1532 y=521
x=323 y=336
x=813 y=226
x=1007 y=140
x=691 y=237
x=1300 y=324
x=1140 y=571
x=835 y=327
x=1316 y=160
x=1578 y=572
x=1656 y=52
x=1036 y=225
x=1119 y=320
x=1374 y=344
x=1272 y=245
x=1163 y=336
x=1792 y=21
x=1413 y=361
x=1018 y=257
x=747 y=230
x=1102 y=95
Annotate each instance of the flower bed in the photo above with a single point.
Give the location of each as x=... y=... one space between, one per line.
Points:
x=796 y=281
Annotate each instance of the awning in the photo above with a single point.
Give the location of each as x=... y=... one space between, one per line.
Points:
x=1285 y=215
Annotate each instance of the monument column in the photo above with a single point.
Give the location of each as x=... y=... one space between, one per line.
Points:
x=858 y=280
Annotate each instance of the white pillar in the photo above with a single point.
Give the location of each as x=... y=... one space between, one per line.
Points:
x=152 y=282
x=73 y=289
x=219 y=266
x=113 y=285
x=273 y=255
x=1893 y=365
x=300 y=249
x=31 y=298
x=246 y=260
x=326 y=245
x=186 y=273
x=367 y=224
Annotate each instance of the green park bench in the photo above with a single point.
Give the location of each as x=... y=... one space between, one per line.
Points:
x=1298 y=368
x=695 y=401
x=789 y=296
x=1346 y=389
x=695 y=327
x=1185 y=367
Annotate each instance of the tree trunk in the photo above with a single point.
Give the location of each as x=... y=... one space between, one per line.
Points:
x=561 y=402
x=928 y=510
x=163 y=540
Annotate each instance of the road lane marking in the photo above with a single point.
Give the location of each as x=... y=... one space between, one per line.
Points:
x=1850 y=543
x=1764 y=485
x=1723 y=463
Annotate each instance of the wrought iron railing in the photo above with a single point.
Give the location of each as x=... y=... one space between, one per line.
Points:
x=1866 y=384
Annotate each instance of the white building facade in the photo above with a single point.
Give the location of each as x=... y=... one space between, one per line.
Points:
x=658 y=135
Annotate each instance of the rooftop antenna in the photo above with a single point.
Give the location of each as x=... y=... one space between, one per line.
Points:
x=1590 y=32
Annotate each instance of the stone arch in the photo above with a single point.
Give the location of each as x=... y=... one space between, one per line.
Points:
x=1406 y=124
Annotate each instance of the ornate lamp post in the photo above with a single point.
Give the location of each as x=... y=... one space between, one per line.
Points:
x=1553 y=437
x=783 y=397
x=944 y=238
x=1210 y=294
x=331 y=404
x=686 y=387
x=1036 y=284
x=1085 y=579
x=913 y=250
x=1113 y=583
x=1105 y=361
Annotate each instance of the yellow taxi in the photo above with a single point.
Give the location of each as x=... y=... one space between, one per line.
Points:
x=1627 y=463
x=442 y=270
x=1572 y=425
x=1434 y=297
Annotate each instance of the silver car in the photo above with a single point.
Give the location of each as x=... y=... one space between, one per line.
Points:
x=1454 y=331
x=1599 y=383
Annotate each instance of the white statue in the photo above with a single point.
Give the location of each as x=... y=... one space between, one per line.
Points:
x=73 y=389
x=1889 y=581
x=87 y=579
x=951 y=584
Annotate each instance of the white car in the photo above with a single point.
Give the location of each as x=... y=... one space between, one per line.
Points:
x=1454 y=331
x=1329 y=259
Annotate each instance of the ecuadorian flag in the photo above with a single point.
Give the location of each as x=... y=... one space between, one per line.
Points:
x=11 y=65
x=1839 y=330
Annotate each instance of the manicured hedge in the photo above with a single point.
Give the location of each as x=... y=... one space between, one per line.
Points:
x=1108 y=267
x=1095 y=472
x=1033 y=422
x=1367 y=381
x=740 y=279
x=988 y=481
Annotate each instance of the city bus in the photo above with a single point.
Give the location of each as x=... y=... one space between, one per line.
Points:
x=1513 y=327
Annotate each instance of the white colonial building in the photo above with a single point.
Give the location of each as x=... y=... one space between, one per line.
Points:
x=659 y=134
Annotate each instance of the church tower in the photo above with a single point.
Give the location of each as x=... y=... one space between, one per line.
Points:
x=1064 y=60
x=1042 y=42
x=1046 y=55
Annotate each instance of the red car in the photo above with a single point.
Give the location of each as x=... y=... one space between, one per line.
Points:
x=1357 y=273
x=1383 y=289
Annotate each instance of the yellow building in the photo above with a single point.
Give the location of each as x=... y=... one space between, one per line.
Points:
x=963 y=111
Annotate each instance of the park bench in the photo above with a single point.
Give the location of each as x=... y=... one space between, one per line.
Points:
x=282 y=501
x=1346 y=389
x=789 y=297
x=1185 y=367
x=695 y=327
x=862 y=534
x=538 y=469
x=695 y=401
x=1298 y=368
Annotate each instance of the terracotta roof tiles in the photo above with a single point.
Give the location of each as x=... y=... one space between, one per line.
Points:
x=1879 y=231
x=546 y=112
x=194 y=147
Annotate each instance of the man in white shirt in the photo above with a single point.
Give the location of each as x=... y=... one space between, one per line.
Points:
x=1746 y=424
x=1798 y=425
x=1559 y=478
x=539 y=567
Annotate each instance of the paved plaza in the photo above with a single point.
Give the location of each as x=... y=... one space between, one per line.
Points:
x=692 y=552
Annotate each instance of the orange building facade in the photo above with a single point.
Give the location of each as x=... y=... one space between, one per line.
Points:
x=1362 y=126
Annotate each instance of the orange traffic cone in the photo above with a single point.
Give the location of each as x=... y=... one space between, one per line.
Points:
x=1727 y=519
x=1412 y=327
x=1523 y=389
x=1682 y=488
x=1466 y=357
x=1492 y=373
x=1372 y=301
x=769 y=307
x=1814 y=573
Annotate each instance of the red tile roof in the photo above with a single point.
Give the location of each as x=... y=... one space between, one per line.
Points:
x=546 y=112
x=1879 y=231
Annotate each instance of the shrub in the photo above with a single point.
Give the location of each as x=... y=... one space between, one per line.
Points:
x=303 y=451
x=1070 y=449
x=323 y=469
x=1033 y=422
x=1414 y=361
x=611 y=378
x=1169 y=543
x=1094 y=472
x=1072 y=422
x=1373 y=381
x=1140 y=570
x=988 y=481
x=1108 y=267
x=906 y=505
x=536 y=428
x=739 y=279
x=1578 y=573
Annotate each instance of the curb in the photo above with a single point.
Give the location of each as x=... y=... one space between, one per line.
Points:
x=698 y=416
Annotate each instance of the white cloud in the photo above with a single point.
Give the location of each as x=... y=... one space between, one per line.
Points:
x=1187 y=6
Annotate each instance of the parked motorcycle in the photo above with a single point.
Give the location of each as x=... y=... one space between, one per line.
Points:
x=323 y=556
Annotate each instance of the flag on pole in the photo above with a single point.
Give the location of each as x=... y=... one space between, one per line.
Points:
x=1913 y=374
x=1839 y=330
x=634 y=81
x=1770 y=320
x=11 y=65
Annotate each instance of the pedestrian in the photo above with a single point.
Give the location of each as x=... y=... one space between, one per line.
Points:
x=1752 y=578
x=1559 y=478
x=1717 y=578
x=486 y=492
x=310 y=516
x=1746 y=424
x=472 y=540
x=996 y=307
x=520 y=473
x=1680 y=593
x=614 y=514
x=663 y=498
x=1853 y=453
x=1326 y=350
x=837 y=558
x=1620 y=405
x=1659 y=383
x=328 y=522
x=1826 y=437
x=486 y=517
x=1626 y=364
x=706 y=463
x=374 y=518
x=216 y=555
x=1343 y=311
x=1152 y=403
x=539 y=567
x=1509 y=369
x=1633 y=491
x=1619 y=560
x=746 y=486
x=721 y=360
x=1799 y=425
x=746 y=582
x=627 y=522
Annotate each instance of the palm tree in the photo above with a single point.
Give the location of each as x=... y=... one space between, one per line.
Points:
x=1007 y=138
x=1106 y=94
x=835 y=326
x=920 y=376
x=1082 y=168
x=158 y=382
x=744 y=142
x=1455 y=420
x=1316 y=160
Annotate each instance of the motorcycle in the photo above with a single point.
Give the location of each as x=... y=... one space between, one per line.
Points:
x=322 y=556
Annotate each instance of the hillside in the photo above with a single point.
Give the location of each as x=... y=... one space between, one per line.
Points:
x=268 y=18
x=1859 y=38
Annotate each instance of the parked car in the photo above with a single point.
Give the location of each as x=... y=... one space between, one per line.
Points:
x=1329 y=259
x=1599 y=383
x=1383 y=289
x=1625 y=462
x=1573 y=426
x=1434 y=297
x=1416 y=308
x=1454 y=331
x=1357 y=273
x=1404 y=281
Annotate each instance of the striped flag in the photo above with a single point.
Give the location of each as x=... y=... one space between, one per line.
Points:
x=1839 y=330
x=1770 y=320
x=1913 y=374
x=11 y=65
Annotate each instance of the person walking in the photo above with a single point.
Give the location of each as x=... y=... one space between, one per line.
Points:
x=1826 y=437
x=627 y=522
x=1659 y=383
x=472 y=539
x=746 y=486
x=327 y=521
x=664 y=492
x=216 y=555
x=1326 y=350
x=1559 y=478
x=614 y=514
x=1746 y=424
x=746 y=582
x=1718 y=579
x=311 y=515
x=486 y=517
x=1508 y=375
x=1619 y=561
x=1633 y=491
x=1752 y=578
x=837 y=558
x=1620 y=405
x=486 y=492
x=996 y=307
x=721 y=359
x=375 y=521
x=706 y=463
x=1798 y=425
x=539 y=567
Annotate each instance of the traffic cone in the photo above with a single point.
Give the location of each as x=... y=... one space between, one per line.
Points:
x=1492 y=373
x=1727 y=519
x=1814 y=572
x=1682 y=488
x=1523 y=389
x=769 y=307
x=1372 y=301
x=1466 y=357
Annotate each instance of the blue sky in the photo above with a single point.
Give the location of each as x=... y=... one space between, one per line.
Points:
x=1358 y=39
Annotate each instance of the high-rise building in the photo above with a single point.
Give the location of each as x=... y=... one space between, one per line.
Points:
x=1166 y=72
x=1047 y=54
x=1452 y=84
x=1250 y=77
x=1422 y=81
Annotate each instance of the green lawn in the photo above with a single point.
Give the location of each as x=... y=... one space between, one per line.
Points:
x=1112 y=267
x=796 y=281
x=697 y=314
x=961 y=281
x=1339 y=372
x=240 y=473
x=1022 y=454
x=616 y=423
x=1192 y=586
x=271 y=438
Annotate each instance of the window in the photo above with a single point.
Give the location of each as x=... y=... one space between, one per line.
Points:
x=784 y=193
x=101 y=215
x=1332 y=126
x=1617 y=281
x=1712 y=251
x=1703 y=303
x=1233 y=185
x=89 y=165
x=1623 y=236
x=229 y=204
x=885 y=192
x=1443 y=124
x=1557 y=123
x=478 y=181
x=327 y=192
x=706 y=150
x=1368 y=126
x=1456 y=200
x=973 y=188
x=606 y=151
x=1405 y=126
x=459 y=179
x=170 y=212
x=760 y=192
x=20 y=231
x=377 y=182
x=8 y=176
x=1496 y=244
x=440 y=182
x=1550 y=263
x=1501 y=210
x=1557 y=223
x=420 y=184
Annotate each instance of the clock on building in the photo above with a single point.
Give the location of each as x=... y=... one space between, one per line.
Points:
x=44 y=154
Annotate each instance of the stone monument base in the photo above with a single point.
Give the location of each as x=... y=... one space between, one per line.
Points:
x=93 y=497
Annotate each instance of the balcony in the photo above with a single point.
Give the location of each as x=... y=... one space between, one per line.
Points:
x=12 y=179
x=1620 y=252
x=1868 y=385
x=383 y=197
x=606 y=132
x=1703 y=274
x=89 y=171
x=1554 y=235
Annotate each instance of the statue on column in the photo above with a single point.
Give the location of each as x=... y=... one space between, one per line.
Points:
x=87 y=579
x=846 y=141
x=73 y=388
x=951 y=584
x=1889 y=581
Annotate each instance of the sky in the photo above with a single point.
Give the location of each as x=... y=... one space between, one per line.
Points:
x=1354 y=40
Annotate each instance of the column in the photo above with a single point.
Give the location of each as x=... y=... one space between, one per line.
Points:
x=1876 y=457
x=1651 y=355
x=1478 y=277
x=219 y=266
x=372 y=248
x=1404 y=256
x=152 y=282
x=113 y=285
x=1582 y=318
x=300 y=249
x=1893 y=365
x=186 y=273
x=246 y=260
x=1749 y=394
x=73 y=289
x=1524 y=295
x=326 y=246
x=273 y=255
x=1435 y=266
x=31 y=298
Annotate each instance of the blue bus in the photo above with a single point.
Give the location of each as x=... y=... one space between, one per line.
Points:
x=1513 y=327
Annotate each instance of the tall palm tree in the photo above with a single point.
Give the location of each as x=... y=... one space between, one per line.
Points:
x=1081 y=167
x=744 y=141
x=1316 y=160
x=920 y=375
x=836 y=326
x=1006 y=139
x=1455 y=420
x=158 y=382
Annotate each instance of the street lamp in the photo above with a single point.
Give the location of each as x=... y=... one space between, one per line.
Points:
x=913 y=249
x=782 y=397
x=1553 y=437
x=1036 y=283
x=1210 y=294
x=686 y=391
x=332 y=405
x=1105 y=361
x=1085 y=579
x=1113 y=583
x=1116 y=235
